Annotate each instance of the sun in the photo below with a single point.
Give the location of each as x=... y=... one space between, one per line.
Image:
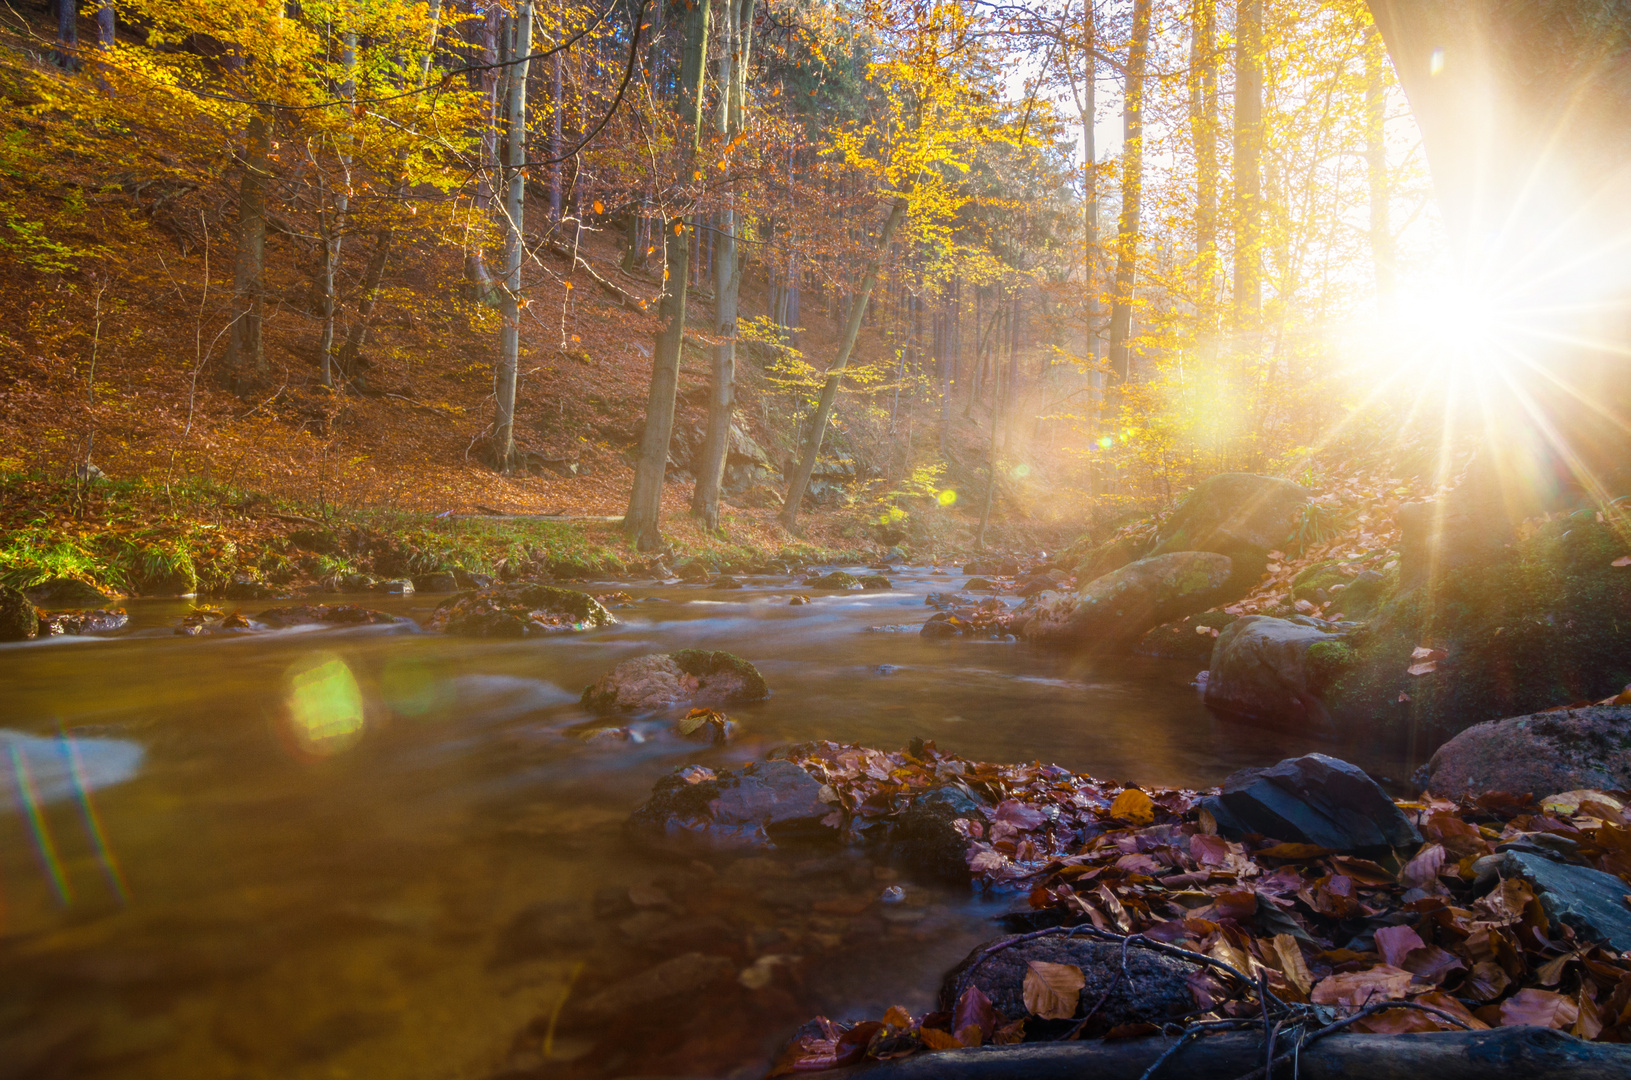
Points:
x=1451 y=328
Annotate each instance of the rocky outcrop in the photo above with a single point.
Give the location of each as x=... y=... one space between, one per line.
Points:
x=1123 y=606
x=765 y=801
x=518 y=610
x=18 y=619
x=687 y=677
x=1151 y=988
x=1313 y=799
x=61 y=592
x=1540 y=754
x=1241 y=515
x=1261 y=670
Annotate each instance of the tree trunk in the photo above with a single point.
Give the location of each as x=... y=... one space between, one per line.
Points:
x=1381 y=231
x=558 y=106
x=66 y=53
x=332 y=224
x=1203 y=130
x=245 y=350
x=733 y=65
x=800 y=480
x=107 y=23
x=513 y=189
x=640 y=523
x=997 y=405
x=1132 y=192
x=1248 y=162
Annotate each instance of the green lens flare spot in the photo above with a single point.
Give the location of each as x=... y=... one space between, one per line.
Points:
x=947 y=497
x=325 y=705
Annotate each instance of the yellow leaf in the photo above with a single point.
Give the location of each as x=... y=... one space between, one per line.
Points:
x=1052 y=991
x=599 y=207
x=1133 y=805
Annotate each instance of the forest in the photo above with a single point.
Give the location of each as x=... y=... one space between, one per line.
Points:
x=927 y=538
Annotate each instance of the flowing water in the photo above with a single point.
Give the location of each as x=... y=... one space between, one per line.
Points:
x=383 y=853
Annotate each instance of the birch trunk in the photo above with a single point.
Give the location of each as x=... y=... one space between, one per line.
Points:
x=513 y=180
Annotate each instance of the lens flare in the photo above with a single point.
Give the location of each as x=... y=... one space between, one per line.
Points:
x=43 y=844
x=93 y=821
x=413 y=688
x=325 y=706
x=948 y=497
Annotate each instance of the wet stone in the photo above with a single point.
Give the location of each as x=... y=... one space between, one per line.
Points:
x=1590 y=901
x=696 y=677
x=1313 y=799
x=83 y=622
x=766 y=801
x=18 y=619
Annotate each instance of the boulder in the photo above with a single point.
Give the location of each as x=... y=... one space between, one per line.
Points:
x=18 y=619
x=766 y=801
x=1108 y=557
x=876 y=581
x=1589 y=900
x=1261 y=669
x=470 y=579
x=518 y=610
x=1539 y=754
x=931 y=835
x=838 y=579
x=441 y=581
x=99 y=621
x=1123 y=606
x=324 y=615
x=1241 y=515
x=1313 y=799
x=687 y=677
x=394 y=587
x=246 y=587
x=61 y=592
x=1187 y=639
x=1152 y=989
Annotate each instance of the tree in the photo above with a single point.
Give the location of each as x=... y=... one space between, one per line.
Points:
x=1248 y=298
x=516 y=38
x=1203 y=129
x=640 y=523
x=1132 y=192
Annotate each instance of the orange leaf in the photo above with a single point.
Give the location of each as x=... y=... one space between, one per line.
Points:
x=600 y=207
x=1359 y=988
x=1135 y=806
x=897 y=1017
x=935 y=1039
x=1623 y=560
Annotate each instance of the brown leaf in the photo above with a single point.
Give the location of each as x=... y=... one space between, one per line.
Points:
x=976 y=1009
x=1298 y=852
x=1134 y=806
x=935 y=1039
x=1623 y=560
x=1590 y=1023
x=1433 y=963
x=1539 y=1007
x=897 y=1017
x=1010 y=1034
x=1394 y=943
x=1359 y=988
x=1052 y=991
x=1422 y=870
x=1426 y=667
x=971 y=1035
x=1292 y=965
x=1486 y=982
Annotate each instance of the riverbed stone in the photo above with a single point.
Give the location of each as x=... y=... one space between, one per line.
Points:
x=931 y=835
x=1261 y=669
x=519 y=609
x=656 y=997
x=98 y=621
x=1590 y=901
x=18 y=619
x=440 y=581
x=1121 y=607
x=836 y=580
x=1151 y=989
x=63 y=592
x=765 y=801
x=1313 y=799
x=325 y=615
x=688 y=677
x=1539 y=754
x=1241 y=515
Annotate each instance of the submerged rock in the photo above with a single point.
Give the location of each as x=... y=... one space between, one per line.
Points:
x=765 y=801
x=1123 y=606
x=1313 y=799
x=932 y=834
x=1539 y=754
x=518 y=610
x=1590 y=901
x=99 y=621
x=324 y=614
x=686 y=677
x=1261 y=669
x=1152 y=989
x=61 y=592
x=18 y=619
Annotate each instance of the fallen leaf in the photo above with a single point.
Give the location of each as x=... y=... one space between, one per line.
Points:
x=976 y=1009
x=1293 y=851
x=1486 y=982
x=895 y=1016
x=1359 y=988
x=1394 y=943
x=1052 y=991
x=1010 y=1034
x=935 y=1039
x=1541 y=1008
x=1422 y=870
x=1426 y=667
x=970 y=1035
x=1292 y=965
x=1133 y=805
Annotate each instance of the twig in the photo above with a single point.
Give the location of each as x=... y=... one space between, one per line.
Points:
x=1082 y=1023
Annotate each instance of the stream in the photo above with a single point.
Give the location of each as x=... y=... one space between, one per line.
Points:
x=193 y=886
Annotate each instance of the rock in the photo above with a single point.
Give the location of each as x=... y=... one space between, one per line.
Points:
x=798 y=600
x=324 y=614
x=1041 y=582
x=18 y=619
x=1186 y=639
x=99 y=621
x=1153 y=989
x=838 y=579
x=441 y=581
x=656 y=997
x=245 y=587
x=946 y=601
x=1538 y=754
x=726 y=583
x=1241 y=515
x=398 y=587
x=61 y=592
x=876 y=581
x=979 y=584
x=1313 y=799
x=518 y=610
x=764 y=802
x=470 y=579
x=1358 y=599
x=896 y=556
x=928 y=838
x=692 y=570
x=939 y=626
x=1260 y=670
x=1107 y=558
x=1589 y=900
x=1123 y=606
x=687 y=677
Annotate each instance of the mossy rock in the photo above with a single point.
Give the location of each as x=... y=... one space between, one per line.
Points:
x=1545 y=625
x=838 y=579
x=687 y=677
x=519 y=609
x=18 y=619
x=876 y=581
x=1183 y=640
x=1326 y=661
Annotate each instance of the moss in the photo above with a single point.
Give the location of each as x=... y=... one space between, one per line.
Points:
x=702 y=663
x=1545 y=626
x=838 y=579
x=1326 y=661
